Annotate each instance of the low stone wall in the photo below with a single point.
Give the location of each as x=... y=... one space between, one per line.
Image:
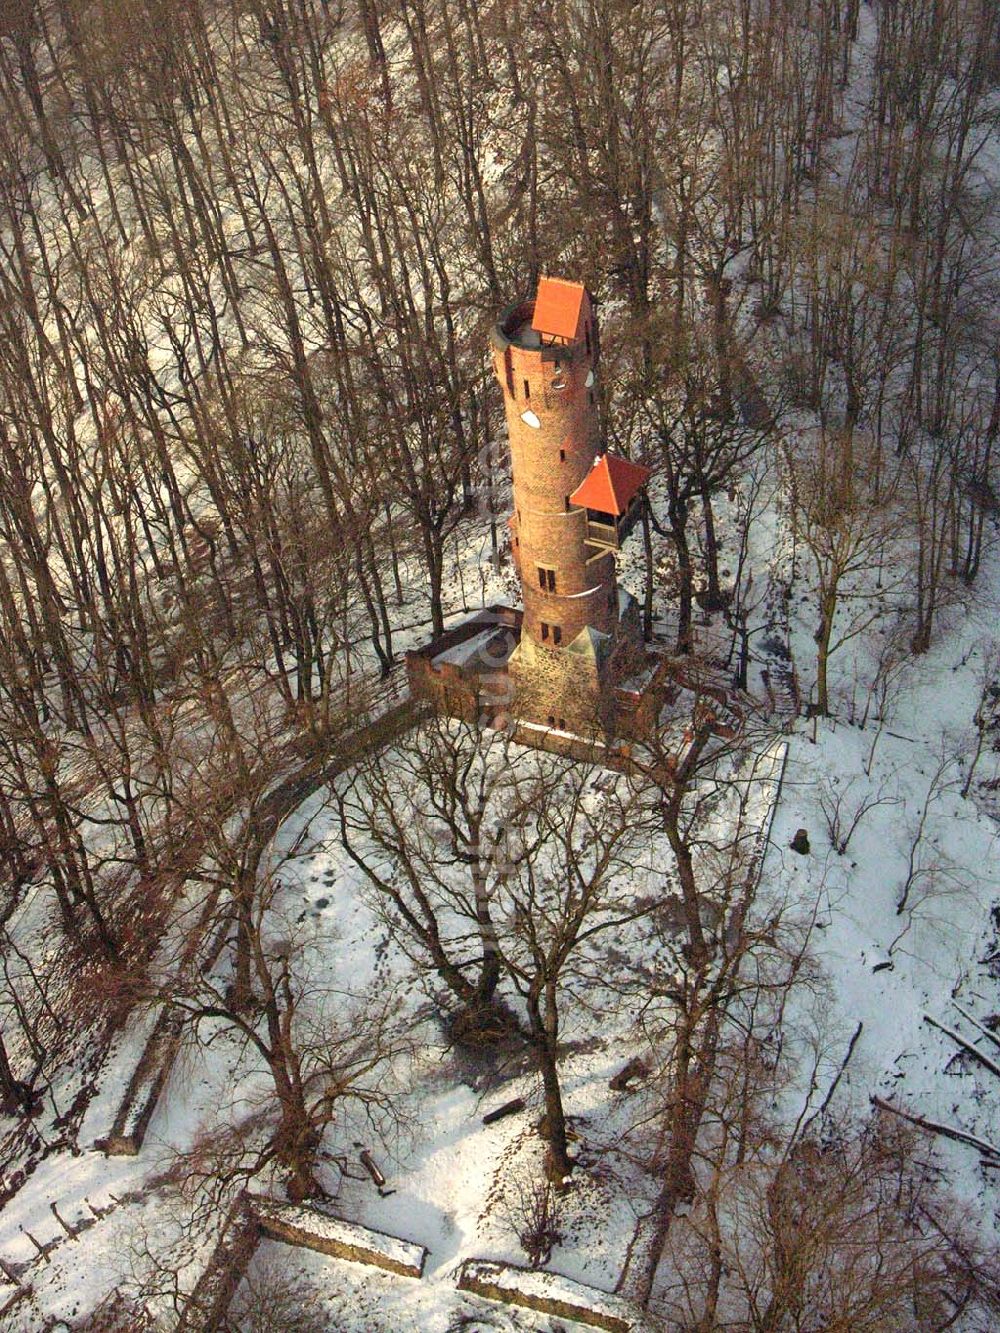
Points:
x=315 y=1229
x=447 y=688
x=470 y=693
x=551 y=1294
x=571 y=745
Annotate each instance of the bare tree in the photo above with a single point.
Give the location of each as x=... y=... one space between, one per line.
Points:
x=575 y=881
x=321 y=1045
x=845 y=519
x=427 y=824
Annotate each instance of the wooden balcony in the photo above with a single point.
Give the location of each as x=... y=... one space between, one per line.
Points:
x=610 y=530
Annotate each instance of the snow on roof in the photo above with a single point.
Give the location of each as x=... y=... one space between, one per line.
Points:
x=557 y=307
x=462 y=653
x=611 y=484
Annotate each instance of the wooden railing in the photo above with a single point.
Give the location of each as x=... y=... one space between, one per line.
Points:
x=604 y=533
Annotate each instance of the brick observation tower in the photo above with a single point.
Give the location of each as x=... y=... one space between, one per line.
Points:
x=573 y=505
x=571 y=663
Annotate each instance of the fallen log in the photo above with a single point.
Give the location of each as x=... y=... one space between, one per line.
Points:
x=935 y=1127
x=976 y=1024
x=12 y=1295
x=62 y=1221
x=508 y=1108
x=959 y=1040
x=840 y=1072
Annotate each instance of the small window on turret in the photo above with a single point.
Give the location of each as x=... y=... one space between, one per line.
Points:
x=545 y=631
x=586 y=334
x=527 y=389
x=562 y=455
x=557 y=634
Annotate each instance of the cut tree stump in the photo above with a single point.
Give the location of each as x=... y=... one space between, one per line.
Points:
x=368 y=1162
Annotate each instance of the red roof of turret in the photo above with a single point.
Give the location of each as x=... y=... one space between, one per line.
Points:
x=557 y=307
x=610 y=484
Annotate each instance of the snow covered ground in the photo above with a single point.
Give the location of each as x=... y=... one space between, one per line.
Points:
x=901 y=881
x=453 y=1184
x=450 y=1180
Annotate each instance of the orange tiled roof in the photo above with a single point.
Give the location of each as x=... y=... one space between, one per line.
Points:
x=610 y=484
x=557 y=307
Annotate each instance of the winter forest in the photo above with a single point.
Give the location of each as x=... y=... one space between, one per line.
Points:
x=320 y=1010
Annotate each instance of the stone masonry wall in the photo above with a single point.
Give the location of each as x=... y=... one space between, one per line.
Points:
x=557 y=689
x=454 y=693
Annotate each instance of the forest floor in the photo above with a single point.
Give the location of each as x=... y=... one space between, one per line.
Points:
x=898 y=782
x=901 y=889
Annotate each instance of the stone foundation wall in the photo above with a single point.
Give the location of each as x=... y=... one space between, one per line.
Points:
x=313 y=1228
x=206 y=1308
x=556 y=688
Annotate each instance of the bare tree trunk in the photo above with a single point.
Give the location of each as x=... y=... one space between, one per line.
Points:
x=543 y=1016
